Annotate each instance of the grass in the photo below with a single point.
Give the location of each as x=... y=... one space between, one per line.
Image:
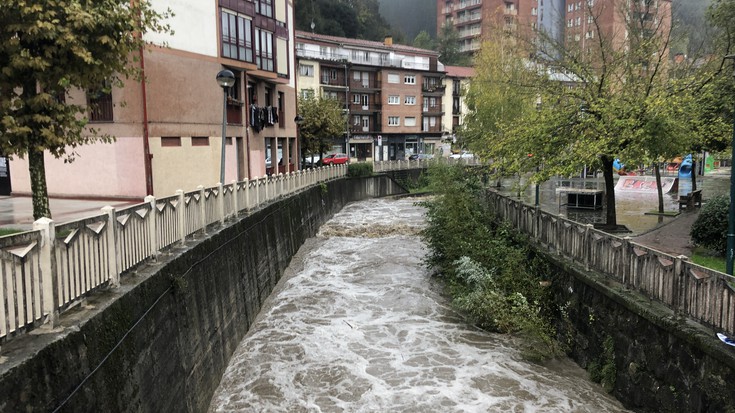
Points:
x=707 y=258
x=9 y=231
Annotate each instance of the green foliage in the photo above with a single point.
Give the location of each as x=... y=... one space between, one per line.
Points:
x=423 y=41
x=710 y=228
x=323 y=120
x=48 y=48
x=356 y=19
x=359 y=169
x=447 y=44
x=491 y=273
x=603 y=370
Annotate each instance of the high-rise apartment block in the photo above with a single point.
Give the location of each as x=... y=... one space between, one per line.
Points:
x=565 y=22
x=393 y=94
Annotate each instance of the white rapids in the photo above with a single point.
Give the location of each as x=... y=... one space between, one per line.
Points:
x=357 y=324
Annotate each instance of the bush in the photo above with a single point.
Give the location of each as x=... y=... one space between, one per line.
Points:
x=710 y=228
x=359 y=169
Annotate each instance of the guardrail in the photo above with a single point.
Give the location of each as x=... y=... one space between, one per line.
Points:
x=703 y=294
x=51 y=268
x=385 y=166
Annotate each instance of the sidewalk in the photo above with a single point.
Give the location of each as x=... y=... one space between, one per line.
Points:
x=17 y=211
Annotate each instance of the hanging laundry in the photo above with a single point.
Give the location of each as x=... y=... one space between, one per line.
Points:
x=255 y=118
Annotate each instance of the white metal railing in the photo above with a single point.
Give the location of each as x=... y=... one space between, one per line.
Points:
x=385 y=166
x=703 y=294
x=51 y=268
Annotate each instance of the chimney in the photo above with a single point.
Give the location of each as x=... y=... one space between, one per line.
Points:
x=388 y=41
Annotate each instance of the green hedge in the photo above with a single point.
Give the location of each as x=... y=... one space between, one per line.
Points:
x=710 y=228
x=359 y=169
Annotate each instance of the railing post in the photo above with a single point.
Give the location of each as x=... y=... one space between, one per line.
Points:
x=47 y=261
x=152 y=234
x=112 y=254
x=181 y=215
x=202 y=210
x=246 y=188
x=234 y=198
x=221 y=202
x=626 y=256
x=678 y=296
x=588 y=246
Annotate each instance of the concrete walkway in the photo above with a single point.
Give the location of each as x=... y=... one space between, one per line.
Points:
x=17 y=211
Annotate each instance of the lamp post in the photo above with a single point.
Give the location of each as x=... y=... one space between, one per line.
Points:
x=298 y=120
x=731 y=214
x=225 y=78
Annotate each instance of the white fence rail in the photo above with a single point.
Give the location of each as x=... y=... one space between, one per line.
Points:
x=689 y=289
x=51 y=268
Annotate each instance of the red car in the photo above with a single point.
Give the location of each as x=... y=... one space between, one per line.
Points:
x=335 y=159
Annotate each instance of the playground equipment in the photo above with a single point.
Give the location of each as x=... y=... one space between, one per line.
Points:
x=685 y=168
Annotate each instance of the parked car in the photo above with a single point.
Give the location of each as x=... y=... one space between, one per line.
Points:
x=462 y=155
x=420 y=156
x=335 y=159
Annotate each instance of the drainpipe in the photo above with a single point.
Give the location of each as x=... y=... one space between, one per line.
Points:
x=146 y=147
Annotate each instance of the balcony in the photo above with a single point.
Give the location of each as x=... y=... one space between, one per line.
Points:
x=432 y=129
x=330 y=81
x=234 y=112
x=362 y=84
x=357 y=107
x=433 y=88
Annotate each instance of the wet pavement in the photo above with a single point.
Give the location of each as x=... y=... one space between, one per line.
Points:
x=17 y=211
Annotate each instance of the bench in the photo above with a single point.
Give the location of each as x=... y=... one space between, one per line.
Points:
x=691 y=199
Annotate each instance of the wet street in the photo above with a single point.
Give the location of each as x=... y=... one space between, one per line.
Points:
x=358 y=325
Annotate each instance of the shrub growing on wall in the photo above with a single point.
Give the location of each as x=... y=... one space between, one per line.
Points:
x=710 y=228
x=489 y=270
x=360 y=169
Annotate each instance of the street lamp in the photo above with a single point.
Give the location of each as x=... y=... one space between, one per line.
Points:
x=298 y=120
x=225 y=78
x=731 y=215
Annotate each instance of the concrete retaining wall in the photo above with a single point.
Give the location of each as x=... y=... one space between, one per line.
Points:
x=649 y=358
x=161 y=342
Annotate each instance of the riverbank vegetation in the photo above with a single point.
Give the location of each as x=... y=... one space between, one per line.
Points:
x=489 y=270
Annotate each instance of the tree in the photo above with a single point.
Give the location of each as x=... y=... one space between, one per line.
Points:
x=323 y=119
x=47 y=49
x=357 y=19
x=423 y=41
x=447 y=44
x=605 y=98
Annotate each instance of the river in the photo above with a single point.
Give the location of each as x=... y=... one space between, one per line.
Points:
x=357 y=324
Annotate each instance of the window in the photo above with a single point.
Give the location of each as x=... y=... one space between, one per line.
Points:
x=307 y=93
x=578 y=21
x=170 y=141
x=394 y=121
x=237 y=42
x=306 y=70
x=409 y=121
x=409 y=79
x=410 y=100
x=264 y=7
x=200 y=141
x=356 y=120
x=394 y=100
x=355 y=99
x=264 y=49
x=366 y=123
x=365 y=100
x=99 y=103
x=394 y=78
x=570 y=7
x=534 y=11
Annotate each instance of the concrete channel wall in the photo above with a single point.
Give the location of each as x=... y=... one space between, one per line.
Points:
x=161 y=341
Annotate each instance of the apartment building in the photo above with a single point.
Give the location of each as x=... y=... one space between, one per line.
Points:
x=457 y=81
x=168 y=129
x=586 y=20
x=393 y=94
x=475 y=19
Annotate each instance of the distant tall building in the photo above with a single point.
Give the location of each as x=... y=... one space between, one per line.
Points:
x=565 y=22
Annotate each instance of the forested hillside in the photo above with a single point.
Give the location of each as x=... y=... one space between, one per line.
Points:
x=410 y=16
x=358 y=19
